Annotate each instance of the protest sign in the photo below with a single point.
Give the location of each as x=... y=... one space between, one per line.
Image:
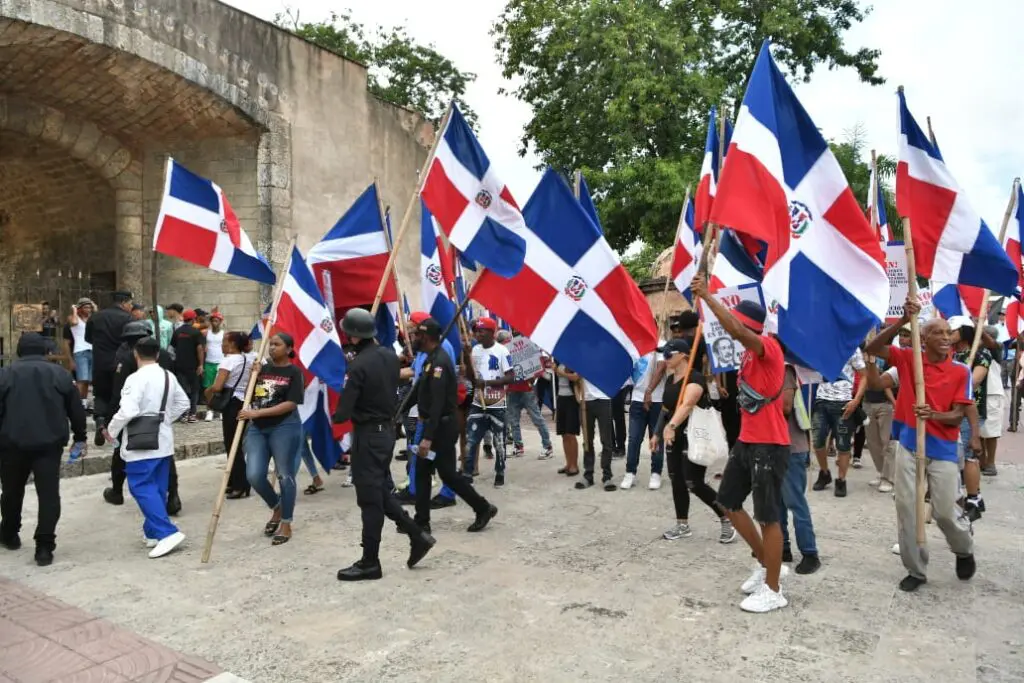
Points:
x=525 y=358
x=723 y=350
x=896 y=269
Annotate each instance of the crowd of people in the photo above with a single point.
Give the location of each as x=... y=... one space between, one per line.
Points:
x=138 y=371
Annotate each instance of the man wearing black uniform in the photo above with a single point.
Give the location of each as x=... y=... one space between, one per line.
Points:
x=370 y=399
x=437 y=398
x=37 y=399
x=126 y=365
x=103 y=330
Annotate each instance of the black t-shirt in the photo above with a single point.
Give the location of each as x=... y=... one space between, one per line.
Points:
x=274 y=386
x=671 y=397
x=186 y=340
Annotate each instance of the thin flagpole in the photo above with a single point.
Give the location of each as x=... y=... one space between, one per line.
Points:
x=394 y=271
x=873 y=199
x=580 y=388
x=663 y=317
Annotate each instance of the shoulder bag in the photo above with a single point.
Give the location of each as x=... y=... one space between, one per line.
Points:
x=143 y=432
x=219 y=402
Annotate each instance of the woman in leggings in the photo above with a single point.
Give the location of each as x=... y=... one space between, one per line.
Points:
x=685 y=475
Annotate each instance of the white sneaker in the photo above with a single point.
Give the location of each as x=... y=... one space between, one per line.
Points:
x=874 y=482
x=348 y=481
x=166 y=545
x=151 y=542
x=655 y=482
x=885 y=487
x=209 y=416
x=896 y=549
x=757 y=579
x=764 y=600
x=627 y=481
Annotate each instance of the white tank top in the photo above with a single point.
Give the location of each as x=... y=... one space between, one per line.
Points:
x=78 y=334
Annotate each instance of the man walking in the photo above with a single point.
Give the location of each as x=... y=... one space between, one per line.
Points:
x=834 y=407
x=370 y=399
x=492 y=373
x=103 y=330
x=794 y=486
x=599 y=413
x=189 y=345
x=644 y=410
x=37 y=399
x=521 y=395
x=81 y=350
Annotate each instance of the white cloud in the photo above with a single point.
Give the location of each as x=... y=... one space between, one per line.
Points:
x=958 y=62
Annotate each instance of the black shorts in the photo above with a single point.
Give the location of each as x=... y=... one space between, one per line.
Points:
x=567 y=416
x=758 y=469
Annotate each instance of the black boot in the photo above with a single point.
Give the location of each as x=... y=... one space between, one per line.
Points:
x=44 y=556
x=483 y=518
x=99 y=440
x=11 y=542
x=420 y=545
x=113 y=496
x=361 y=571
x=173 y=504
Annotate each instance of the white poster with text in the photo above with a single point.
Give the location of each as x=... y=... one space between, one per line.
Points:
x=724 y=351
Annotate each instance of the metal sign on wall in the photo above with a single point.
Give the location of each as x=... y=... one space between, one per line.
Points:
x=27 y=317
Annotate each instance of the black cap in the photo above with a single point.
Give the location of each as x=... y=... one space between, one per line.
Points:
x=674 y=346
x=687 y=320
x=138 y=307
x=431 y=328
x=121 y=296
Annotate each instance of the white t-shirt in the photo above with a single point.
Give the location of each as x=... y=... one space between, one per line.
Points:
x=643 y=373
x=842 y=389
x=490 y=364
x=995 y=380
x=78 y=334
x=234 y=364
x=214 y=350
x=592 y=393
x=564 y=385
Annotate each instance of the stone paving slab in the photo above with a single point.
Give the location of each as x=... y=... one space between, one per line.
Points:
x=564 y=586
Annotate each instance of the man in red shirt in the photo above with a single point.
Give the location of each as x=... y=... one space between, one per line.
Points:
x=757 y=464
x=947 y=392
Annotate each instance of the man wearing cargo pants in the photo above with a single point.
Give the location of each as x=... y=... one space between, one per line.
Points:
x=947 y=393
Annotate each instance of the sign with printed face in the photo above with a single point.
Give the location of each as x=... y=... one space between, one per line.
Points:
x=525 y=358
x=724 y=351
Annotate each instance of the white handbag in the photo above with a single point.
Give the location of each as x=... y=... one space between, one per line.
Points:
x=706 y=437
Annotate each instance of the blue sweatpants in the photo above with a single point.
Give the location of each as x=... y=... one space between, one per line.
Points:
x=445 y=491
x=147 y=482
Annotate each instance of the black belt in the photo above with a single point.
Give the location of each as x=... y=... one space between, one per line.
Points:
x=374 y=426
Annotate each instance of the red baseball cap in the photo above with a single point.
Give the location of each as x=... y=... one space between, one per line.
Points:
x=216 y=316
x=189 y=314
x=487 y=324
x=416 y=317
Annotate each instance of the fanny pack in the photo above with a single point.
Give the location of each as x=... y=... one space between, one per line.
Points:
x=750 y=401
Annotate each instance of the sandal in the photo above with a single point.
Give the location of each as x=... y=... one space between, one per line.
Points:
x=571 y=473
x=313 y=489
x=280 y=540
x=235 y=495
x=271 y=528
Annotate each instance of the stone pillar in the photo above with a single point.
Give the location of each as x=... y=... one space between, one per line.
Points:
x=130 y=249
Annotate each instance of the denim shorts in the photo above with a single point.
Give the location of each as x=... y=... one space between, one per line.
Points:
x=828 y=418
x=83 y=366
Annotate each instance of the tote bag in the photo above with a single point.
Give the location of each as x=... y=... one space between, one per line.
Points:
x=706 y=437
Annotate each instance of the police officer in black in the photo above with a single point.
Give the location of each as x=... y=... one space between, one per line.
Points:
x=370 y=399
x=103 y=331
x=125 y=365
x=437 y=398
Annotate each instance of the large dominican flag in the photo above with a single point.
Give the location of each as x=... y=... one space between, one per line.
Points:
x=437 y=278
x=1012 y=245
x=472 y=205
x=196 y=224
x=824 y=266
x=350 y=259
x=572 y=298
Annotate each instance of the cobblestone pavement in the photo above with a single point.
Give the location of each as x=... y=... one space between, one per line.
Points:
x=564 y=586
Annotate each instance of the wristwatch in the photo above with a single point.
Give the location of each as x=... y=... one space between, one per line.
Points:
x=673 y=425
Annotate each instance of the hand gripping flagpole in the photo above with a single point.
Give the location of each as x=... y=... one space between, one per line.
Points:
x=983 y=312
x=578 y=386
x=409 y=210
x=394 y=271
x=249 y=389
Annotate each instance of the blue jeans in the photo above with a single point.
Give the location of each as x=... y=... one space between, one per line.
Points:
x=282 y=444
x=445 y=492
x=479 y=422
x=517 y=400
x=794 y=499
x=147 y=481
x=83 y=366
x=643 y=421
x=307 y=457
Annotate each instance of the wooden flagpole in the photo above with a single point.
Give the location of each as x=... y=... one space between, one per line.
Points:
x=409 y=210
x=394 y=271
x=702 y=270
x=580 y=388
x=983 y=312
x=249 y=389
x=915 y=337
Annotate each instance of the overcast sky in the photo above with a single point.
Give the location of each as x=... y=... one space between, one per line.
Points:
x=957 y=63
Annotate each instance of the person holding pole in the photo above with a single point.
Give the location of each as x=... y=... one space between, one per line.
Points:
x=947 y=393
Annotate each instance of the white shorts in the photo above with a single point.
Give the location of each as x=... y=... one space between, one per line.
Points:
x=992 y=426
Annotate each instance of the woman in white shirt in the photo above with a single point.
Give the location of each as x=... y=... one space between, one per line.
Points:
x=147 y=391
x=233 y=373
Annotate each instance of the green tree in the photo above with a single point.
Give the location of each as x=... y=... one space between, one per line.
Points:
x=855 y=159
x=400 y=70
x=640 y=264
x=622 y=88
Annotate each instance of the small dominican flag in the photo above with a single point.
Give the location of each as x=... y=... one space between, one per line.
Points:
x=197 y=224
x=876 y=202
x=687 y=252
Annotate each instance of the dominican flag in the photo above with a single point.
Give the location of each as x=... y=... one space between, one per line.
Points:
x=709 y=171
x=824 y=268
x=350 y=259
x=876 y=203
x=1013 y=249
x=472 y=205
x=687 y=251
x=198 y=225
x=318 y=405
x=953 y=299
x=573 y=298
x=734 y=266
x=952 y=244
x=437 y=278
x=587 y=202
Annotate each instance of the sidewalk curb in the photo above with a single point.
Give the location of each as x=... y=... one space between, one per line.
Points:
x=99 y=463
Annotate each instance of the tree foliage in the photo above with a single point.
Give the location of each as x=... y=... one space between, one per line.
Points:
x=622 y=88
x=641 y=264
x=400 y=70
x=855 y=159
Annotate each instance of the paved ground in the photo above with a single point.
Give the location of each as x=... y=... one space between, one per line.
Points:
x=564 y=586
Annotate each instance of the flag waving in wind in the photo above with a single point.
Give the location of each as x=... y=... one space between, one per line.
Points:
x=437 y=278
x=952 y=244
x=824 y=267
x=472 y=205
x=197 y=224
x=876 y=202
x=1012 y=245
x=709 y=172
x=588 y=203
x=733 y=264
x=686 y=253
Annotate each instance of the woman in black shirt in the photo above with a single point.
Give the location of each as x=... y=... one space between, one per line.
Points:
x=275 y=432
x=684 y=475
